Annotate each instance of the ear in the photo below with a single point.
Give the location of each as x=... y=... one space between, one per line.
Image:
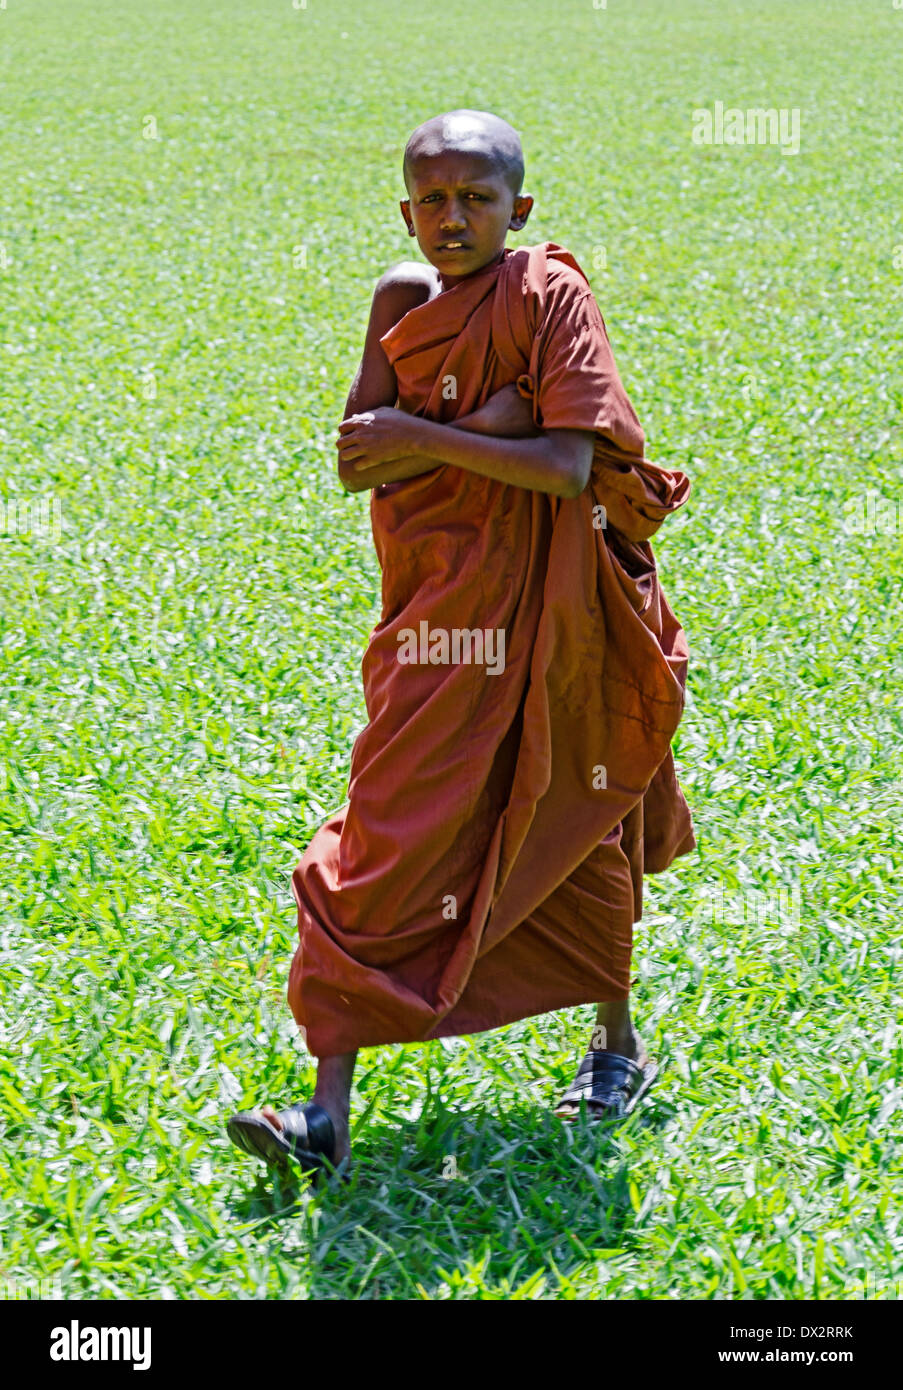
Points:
x=522 y=206
x=405 y=206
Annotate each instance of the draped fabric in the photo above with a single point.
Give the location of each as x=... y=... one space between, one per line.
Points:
x=489 y=863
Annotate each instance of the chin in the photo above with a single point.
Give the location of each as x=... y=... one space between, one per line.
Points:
x=469 y=265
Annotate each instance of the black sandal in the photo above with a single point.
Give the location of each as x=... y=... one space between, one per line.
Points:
x=307 y=1136
x=609 y=1084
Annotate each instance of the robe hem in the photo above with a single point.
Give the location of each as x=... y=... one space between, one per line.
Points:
x=448 y=1027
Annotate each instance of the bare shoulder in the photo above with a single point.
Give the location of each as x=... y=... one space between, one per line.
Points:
x=403 y=287
x=410 y=274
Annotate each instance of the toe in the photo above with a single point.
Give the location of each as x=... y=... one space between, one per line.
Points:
x=270 y=1114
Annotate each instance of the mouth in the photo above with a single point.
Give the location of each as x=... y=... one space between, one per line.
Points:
x=451 y=246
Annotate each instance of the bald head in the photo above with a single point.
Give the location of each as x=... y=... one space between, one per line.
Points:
x=469 y=132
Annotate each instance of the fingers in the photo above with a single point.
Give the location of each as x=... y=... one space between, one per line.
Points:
x=365 y=417
x=353 y=431
x=353 y=451
x=350 y=435
x=360 y=437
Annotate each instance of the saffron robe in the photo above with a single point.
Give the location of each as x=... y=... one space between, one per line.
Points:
x=489 y=863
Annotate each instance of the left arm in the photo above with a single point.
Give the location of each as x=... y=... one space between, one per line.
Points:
x=557 y=462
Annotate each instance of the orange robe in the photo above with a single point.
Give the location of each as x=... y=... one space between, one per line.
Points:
x=489 y=863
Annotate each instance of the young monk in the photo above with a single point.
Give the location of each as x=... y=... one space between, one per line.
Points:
x=507 y=794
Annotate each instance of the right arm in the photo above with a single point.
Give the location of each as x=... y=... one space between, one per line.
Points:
x=402 y=287
x=506 y=415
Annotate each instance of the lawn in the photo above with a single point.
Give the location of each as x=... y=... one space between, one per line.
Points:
x=195 y=202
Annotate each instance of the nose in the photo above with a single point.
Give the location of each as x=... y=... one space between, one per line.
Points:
x=452 y=218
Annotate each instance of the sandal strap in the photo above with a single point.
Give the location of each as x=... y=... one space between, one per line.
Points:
x=308 y=1128
x=605 y=1078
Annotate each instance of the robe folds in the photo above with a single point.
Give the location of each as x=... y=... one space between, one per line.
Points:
x=489 y=862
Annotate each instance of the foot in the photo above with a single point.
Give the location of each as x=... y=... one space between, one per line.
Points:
x=613 y=1032
x=339 y=1119
x=333 y=1094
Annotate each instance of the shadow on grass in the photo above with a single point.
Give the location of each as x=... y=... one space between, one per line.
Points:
x=462 y=1203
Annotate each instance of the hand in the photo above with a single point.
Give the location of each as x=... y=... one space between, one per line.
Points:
x=376 y=436
x=507 y=414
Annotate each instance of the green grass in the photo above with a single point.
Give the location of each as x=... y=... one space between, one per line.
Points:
x=180 y=672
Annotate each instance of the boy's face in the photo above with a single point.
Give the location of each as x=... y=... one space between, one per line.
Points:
x=460 y=208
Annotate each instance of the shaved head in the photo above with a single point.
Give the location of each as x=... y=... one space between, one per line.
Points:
x=469 y=132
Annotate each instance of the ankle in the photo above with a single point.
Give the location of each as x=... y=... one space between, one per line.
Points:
x=625 y=1041
x=333 y=1088
x=335 y=1103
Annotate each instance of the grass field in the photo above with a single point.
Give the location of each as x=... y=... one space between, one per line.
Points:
x=181 y=317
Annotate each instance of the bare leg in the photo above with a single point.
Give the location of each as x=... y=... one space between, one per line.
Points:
x=620 y=1035
x=333 y=1092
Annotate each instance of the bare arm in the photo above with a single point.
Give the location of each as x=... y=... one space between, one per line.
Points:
x=554 y=461
x=400 y=289
x=507 y=413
